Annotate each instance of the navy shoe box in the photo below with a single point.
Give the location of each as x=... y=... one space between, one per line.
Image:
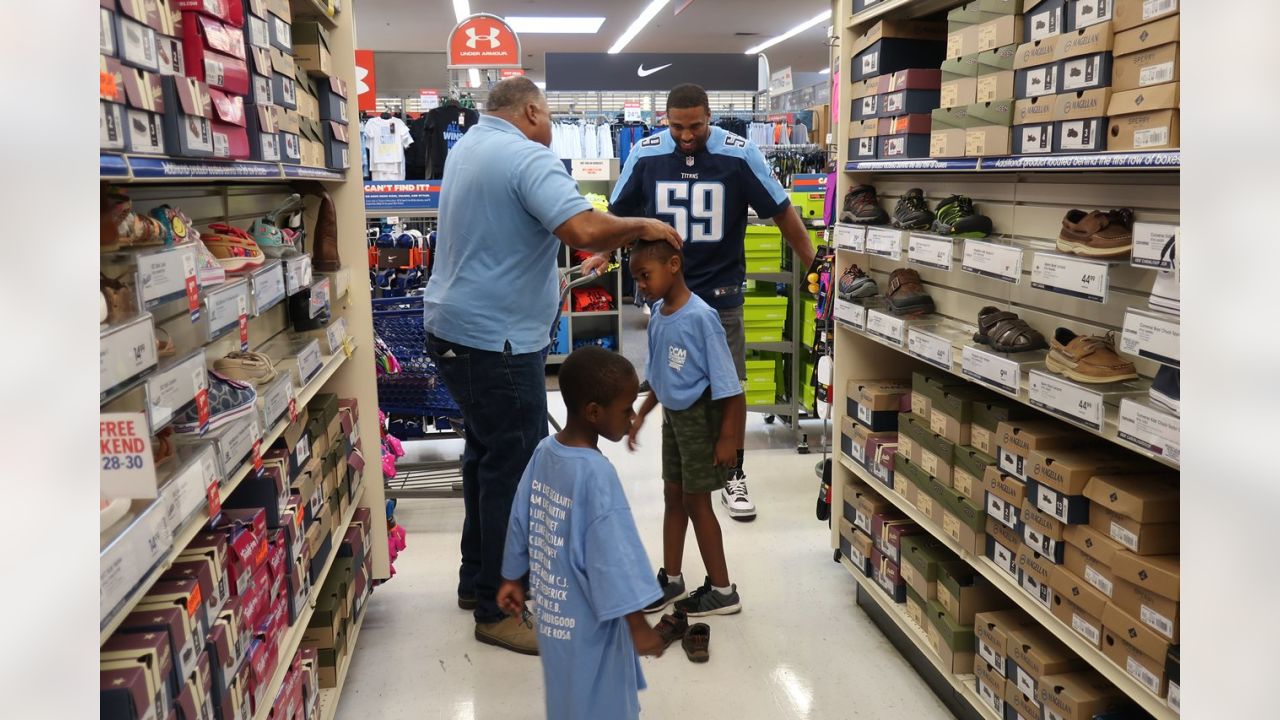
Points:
x=889 y=55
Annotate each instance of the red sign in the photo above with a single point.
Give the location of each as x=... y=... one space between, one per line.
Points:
x=483 y=41
x=366 y=85
x=510 y=73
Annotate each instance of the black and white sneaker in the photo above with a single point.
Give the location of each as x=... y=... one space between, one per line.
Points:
x=671 y=592
x=736 y=499
x=706 y=600
x=1166 y=388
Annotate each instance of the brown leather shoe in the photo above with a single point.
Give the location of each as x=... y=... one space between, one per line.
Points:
x=1097 y=234
x=324 y=246
x=513 y=633
x=1087 y=358
x=906 y=294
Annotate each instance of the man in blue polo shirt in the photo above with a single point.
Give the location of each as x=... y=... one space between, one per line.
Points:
x=505 y=209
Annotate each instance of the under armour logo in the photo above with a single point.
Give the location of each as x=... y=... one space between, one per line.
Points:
x=474 y=37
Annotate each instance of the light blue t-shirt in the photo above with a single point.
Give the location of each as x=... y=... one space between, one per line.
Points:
x=688 y=353
x=494 y=278
x=572 y=531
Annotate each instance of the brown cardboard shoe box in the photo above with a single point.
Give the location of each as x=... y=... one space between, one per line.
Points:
x=1078 y=695
x=1126 y=651
x=867 y=503
x=860 y=549
x=1147 y=588
x=969 y=471
x=928 y=383
x=1084 y=58
x=1132 y=13
x=885 y=573
x=963 y=593
x=987 y=417
x=1078 y=605
x=1138 y=538
x=952 y=642
x=988 y=140
x=1144 y=119
x=1043 y=532
x=1069 y=509
x=1018 y=439
x=1089 y=556
x=1034 y=653
x=958 y=92
x=863 y=441
x=916 y=608
x=876 y=403
x=1004 y=497
x=951 y=413
x=1035 y=68
x=1143 y=498
x=1068 y=470
x=1146 y=56
x=990 y=686
x=921 y=556
x=1136 y=633
x=963 y=521
x=1080 y=122
x=991 y=628
x=999 y=32
x=1033 y=125
x=1033 y=575
x=887 y=530
x=1002 y=547
x=1018 y=705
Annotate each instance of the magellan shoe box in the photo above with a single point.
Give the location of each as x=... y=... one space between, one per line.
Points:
x=1043 y=532
x=990 y=686
x=1089 y=555
x=963 y=593
x=1080 y=120
x=1019 y=438
x=1078 y=605
x=1132 y=13
x=1034 y=571
x=1147 y=506
x=1144 y=119
x=1067 y=470
x=1069 y=509
x=968 y=473
x=991 y=629
x=1146 y=55
x=1018 y=706
x=893 y=45
x=1035 y=653
x=1126 y=643
x=987 y=417
x=1084 y=58
x=1084 y=13
x=1002 y=547
x=1043 y=19
x=1147 y=588
x=952 y=642
x=1036 y=69
x=1078 y=695
x=1033 y=130
x=921 y=555
x=1003 y=498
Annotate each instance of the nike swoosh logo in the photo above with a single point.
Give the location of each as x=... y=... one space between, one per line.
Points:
x=640 y=71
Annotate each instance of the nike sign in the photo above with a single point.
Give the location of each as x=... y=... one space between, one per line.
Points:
x=641 y=72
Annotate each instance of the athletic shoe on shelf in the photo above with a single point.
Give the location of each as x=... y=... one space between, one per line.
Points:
x=234 y=248
x=856 y=284
x=862 y=206
x=906 y=295
x=706 y=600
x=228 y=400
x=671 y=592
x=736 y=498
x=246 y=367
x=911 y=212
x=1087 y=358
x=1097 y=234
x=956 y=216
x=1165 y=389
x=1164 y=293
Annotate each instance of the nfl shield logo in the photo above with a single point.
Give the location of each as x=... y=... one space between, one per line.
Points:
x=689 y=160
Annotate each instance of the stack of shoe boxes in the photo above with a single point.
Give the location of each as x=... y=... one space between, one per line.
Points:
x=870 y=433
x=976 y=75
x=861 y=504
x=215 y=53
x=274 y=126
x=1144 y=105
x=890 y=108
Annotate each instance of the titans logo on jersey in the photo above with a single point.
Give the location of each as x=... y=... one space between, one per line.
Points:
x=705 y=197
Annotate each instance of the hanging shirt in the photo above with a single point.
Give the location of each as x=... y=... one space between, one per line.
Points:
x=387 y=139
x=571 y=531
x=445 y=127
x=604 y=137
x=688 y=353
x=705 y=198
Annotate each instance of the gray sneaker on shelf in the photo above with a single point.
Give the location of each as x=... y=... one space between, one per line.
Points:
x=671 y=592
x=706 y=600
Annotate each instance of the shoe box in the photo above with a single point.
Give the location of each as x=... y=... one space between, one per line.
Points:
x=989 y=129
x=893 y=45
x=963 y=521
x=951 y=411
x=113 y=129
x=876 y=403
x=1144 y=119
x=143 y=111
x=864 y=101
x=1146 y=55
x=260 y=74
x=858 y=443
x=146 y=652
x=864 y=505
x=926 y=384
x=1043 y=532
x=887 y=531
x=932 y=452
x=886 y=575
x=1080 y=123
x=1043 y=19
x=1078 y=695
x=968 y=473
x=991 y=633
x=1035 y=68
x=1077 y=604
x=1033 y=125
x=920 y=490
x=1129 y=14
x=214 y=52
x=947 y=128
x=987 y=416
x=1061 y=474
x=311 y=48
x=1090 y=555
x=989 y=685
x=921 y=557
x=229 y=126
x=1035 y=654
x=187 y=117
x=1003 y=496
x=952 y=642
x=863 y=143
x=1138 y=511
x=964 y=593
x=1148 y=588
x=1034 y=574
x=1084 y=58
x=1018 y=438
x=996 y=79
x=1018 y=705
x=1002 y=544
x=1136 y=648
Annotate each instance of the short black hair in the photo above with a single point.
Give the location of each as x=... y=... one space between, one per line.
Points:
x=688 y=95
x=592 y=374
x=659 y=250
x=512 y=95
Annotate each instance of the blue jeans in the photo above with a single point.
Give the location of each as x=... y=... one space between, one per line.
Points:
x=503 y=398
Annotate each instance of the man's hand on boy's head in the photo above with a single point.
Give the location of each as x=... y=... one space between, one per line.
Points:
x=726 y=452
x=511 y=597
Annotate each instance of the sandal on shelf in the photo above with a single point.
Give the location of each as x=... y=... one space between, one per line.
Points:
x=697 y=642
x=164 y=344
x=1006 y=332
x=121 y=297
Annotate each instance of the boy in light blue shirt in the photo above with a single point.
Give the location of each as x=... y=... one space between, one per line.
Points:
x=571 y=532
x=704 y=418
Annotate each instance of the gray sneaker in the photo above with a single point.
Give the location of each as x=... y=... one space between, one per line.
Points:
x=708 y=601
x=671 y=592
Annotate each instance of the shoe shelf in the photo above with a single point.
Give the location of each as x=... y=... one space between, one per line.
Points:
x=289 y=645
x=877 y=9
x=327 y=707
x=1163 y=160
x=997 y=577
x=155 y=169
x=962 y=685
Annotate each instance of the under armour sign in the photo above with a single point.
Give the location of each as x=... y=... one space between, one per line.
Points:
x=483 y=41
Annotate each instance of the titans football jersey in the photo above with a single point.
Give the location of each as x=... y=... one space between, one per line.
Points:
x=704 y=197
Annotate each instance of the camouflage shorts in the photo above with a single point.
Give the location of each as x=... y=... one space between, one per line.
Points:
x=688 y=446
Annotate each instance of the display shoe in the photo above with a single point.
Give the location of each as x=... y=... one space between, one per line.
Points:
x=1165 y=389
x=862 y=206
x=706 y=600
x=234 y=248
x=512 y=633
x=228 y=400
x=208 y=270
x=247 y=367
x=1006 y=332
x=121 y=297
x=324 y=250
x=911 y=212
x=736 y=499
x=697 y=642
x=176 y=227
x=672 y=627
x=671 y=592
x=270 y=236
x=906 y=294
x=957 y=216
x=1087 y=358
x=855 y=284
x=1164 y=292
x=113 y=206
x=1097 y=234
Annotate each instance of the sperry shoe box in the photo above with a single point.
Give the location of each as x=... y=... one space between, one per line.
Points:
x=1132 y=13
x=1144 y=119
x=1034 y=654
x=1061 y=475
x=1146 y=55
x=1082 y=695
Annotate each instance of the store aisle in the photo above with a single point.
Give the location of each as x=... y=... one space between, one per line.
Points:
x=800 y=648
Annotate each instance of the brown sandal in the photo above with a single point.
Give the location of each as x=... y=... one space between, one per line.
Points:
x=1006 y=332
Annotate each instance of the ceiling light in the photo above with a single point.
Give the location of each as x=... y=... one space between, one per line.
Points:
x=821 y=17
x=649 y=12
x=461 y=9
x=825 y=71
x=555 y=25
x=473 y=76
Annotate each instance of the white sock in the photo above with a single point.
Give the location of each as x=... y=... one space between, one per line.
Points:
x=723 y=590
x=675 y=579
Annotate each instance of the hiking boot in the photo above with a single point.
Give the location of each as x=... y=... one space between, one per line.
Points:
x=706 y=600
x=671 y=592
x=862 y=206
x=957 y=217
x=1097 y=234
x=512 y=633
x=1087 y=358
x=906 y=294
x=911 y=212
x=855 y=284
x=735 y=497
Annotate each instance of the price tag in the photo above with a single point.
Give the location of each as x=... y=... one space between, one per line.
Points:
x=930 y=252
x=1152 y=337
x=125 y=464
x=1069 y=276
x=297 y=274
x=126 y=352
x=242 y=305
x=309 y=362
x=225 y=306
x=852 y=313
x=631 y=111
x=215 y=499
x=200 y=382
x=256 y=454
x=163 y=275
x=1153 y=245
x=885 y=242
x=268 y=289
x=999 y=262
x=293 y=409
x=335 y=334
x=851 y=237
x=276 y=399
x=930 y=348
x=191 y=282
x=1067 y=400
x=172 y=388
x=886 y=327
x=991 y=370
x=319 y=297
x=1153 y=429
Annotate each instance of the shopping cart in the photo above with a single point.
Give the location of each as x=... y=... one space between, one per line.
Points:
x=418 y=391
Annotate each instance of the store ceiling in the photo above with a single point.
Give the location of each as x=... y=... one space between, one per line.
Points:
x=704 y=26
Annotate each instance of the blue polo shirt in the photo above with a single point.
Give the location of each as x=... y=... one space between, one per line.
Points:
x=495 y=278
